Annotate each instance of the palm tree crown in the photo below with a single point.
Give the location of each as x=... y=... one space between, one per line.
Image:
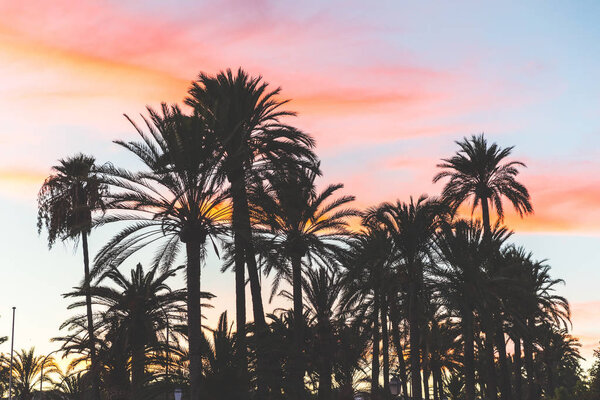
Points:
x=479 y=171
x=69 y=196
x=179 y=199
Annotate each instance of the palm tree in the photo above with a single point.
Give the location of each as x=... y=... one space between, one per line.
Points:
x=478 y=171
x=221 y=375
x=245 y=117
x=542 y=306
x=296 y=223
x=141 y=304
x=27 y=372
x=412 y=226
x=369 y=279
x=66 y=202
x=460 y=277
x=323 y=289
x=179 y=200
x=560 y=358
x=72 y=386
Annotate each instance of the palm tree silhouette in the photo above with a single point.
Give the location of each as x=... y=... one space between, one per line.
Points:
x=27 y=369
x=222 y=375
x=460 y=277
x=412 y=226
x=369 y=277
x=178 y=201
x=477 y=171
x=66 y=202
x=72 y=386
x=543 y=306
x=245 y=117
x=323 y=289
x=296 y=223
x=140 y=306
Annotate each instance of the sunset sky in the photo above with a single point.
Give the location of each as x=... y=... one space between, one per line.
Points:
x=385 y=88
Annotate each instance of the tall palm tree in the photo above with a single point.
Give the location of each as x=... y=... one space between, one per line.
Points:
x=412 y=226
x=245 y=116
x=295 y=223
x=481 y=172
x=369 y=277
x=460 y=277
x=178 y=200
x=27 y=372
x=66 y=202
x=142 y=305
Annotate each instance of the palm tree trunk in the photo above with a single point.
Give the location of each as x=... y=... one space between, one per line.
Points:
x=550 y=373
x=326 y=369
x=518 y=367
x=485 y=214
x=505 y=387
x=437 y=380
x=137 y=371
x=298 y=368
x=90 y=321
x=426 y=369
x=375 y=361
x=243 y=237
x=240 y=310
x=529 y=367
x=489 y=359
x=194 y=316
x=415 y=338
x=480 y=359
x=325 y=383
x=385 y=348
x=399 y=351
x=469 y=353
x=434 y=356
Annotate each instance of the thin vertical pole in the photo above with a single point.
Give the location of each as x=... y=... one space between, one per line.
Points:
x=167 y=363
x=12 y=343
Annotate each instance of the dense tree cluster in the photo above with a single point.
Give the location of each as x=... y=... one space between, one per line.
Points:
x=409 y=292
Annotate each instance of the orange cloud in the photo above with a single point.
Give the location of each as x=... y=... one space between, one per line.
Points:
x=20 y=184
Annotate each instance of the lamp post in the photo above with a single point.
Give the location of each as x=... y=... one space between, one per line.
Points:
x=42 y=368
x=12 y=342
x=395 y=386
x=167 y=355
x=177 y=394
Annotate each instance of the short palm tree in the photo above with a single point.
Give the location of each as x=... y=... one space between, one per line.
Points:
x=323 y=289
x=66 y=202
x=542 y=306
x=295 y=223
x=178 y=200
x=27 y=372
x=221 y=374
x=245 y=116
x=141 y=306
x=560 y=355
x=481 y=172
x=72 y=386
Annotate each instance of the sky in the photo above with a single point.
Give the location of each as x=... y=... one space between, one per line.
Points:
x=385 y=87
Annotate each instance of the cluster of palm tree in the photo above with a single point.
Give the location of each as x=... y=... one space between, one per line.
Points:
x=407 y=292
